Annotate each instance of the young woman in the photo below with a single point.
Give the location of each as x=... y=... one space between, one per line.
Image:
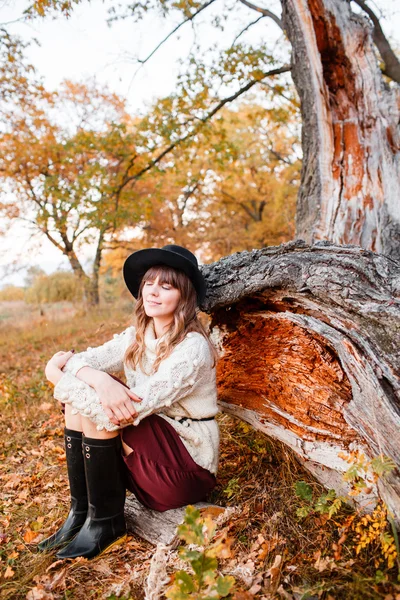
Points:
x=157 y=435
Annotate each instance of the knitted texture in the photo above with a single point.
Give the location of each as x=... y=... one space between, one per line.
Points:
x=183 y=386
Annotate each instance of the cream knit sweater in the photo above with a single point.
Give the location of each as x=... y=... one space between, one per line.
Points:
x=183 y=386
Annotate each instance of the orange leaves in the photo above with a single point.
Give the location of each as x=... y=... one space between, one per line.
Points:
x=8 y=572
x=47 y=584
x=30 y=535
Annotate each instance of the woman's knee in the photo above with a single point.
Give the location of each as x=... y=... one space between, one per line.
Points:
x=72 y=421
x=90 y=430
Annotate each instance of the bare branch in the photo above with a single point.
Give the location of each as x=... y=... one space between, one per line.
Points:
x=171 y=33
x=279 y=92
x=53 y=240
x=246 y=29
x=279 y=156
x=264 y=11
x=256 y=214
x=77 y=233
x=392 y=63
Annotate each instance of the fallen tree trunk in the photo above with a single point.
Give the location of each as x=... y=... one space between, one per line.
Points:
x=161 y=527
x=310 y=345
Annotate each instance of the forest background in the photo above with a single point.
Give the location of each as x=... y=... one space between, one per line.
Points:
x=119 y=181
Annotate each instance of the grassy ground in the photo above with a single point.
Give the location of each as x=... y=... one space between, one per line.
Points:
x=275 y=554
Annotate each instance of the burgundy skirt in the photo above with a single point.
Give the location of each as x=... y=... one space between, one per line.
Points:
x=160 y=471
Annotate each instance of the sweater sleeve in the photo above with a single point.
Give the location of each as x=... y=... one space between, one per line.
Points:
x=108 y=358
x=176 y=377
x=83 y=399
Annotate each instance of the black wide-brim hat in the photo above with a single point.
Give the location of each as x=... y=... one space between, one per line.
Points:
x=171 y=255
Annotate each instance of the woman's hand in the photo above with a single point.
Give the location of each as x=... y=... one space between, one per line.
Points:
x=53 y=368
x=117 y=400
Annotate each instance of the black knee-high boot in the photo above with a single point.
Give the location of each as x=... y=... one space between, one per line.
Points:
x=77 y=484
x=105 y=523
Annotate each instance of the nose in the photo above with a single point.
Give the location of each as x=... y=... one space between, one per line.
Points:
x=154 y=290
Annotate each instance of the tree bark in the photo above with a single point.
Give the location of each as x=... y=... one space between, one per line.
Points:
x=351 y=139
x=310 y=345
x=160 y=527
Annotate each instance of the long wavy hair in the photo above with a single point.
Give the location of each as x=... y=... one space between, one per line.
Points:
x=185 y=318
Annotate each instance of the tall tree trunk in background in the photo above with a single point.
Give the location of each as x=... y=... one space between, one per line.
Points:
x=310 y=345
x=350 y=185
x=89 y=285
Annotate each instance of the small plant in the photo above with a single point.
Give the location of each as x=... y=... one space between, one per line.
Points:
x=232 y=488
x=327 y=504
x=363 y=472
x=370 y=530
x=204 y=583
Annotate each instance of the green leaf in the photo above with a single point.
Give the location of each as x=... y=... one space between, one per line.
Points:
x=335 y=506
x=191 y=530
x=351 y=473
x=190 y=555
x=182 y=586
x=380 y=577
x=204 y=564
x=225 y=585
x=382 y=465
x=303 y=512
x=303 y=491
x=185 y=581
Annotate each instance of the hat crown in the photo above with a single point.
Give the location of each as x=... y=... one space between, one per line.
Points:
x=171 y=255
x=182 y=251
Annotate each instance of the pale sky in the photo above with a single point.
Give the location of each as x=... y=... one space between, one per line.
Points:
x=84 y=46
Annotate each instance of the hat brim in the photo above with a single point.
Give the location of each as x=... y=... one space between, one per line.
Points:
x=140 y=261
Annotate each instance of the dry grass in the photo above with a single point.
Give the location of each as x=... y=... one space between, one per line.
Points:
x=256 y=473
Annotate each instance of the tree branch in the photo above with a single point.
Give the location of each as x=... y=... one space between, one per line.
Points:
x=264 y=11
x=155 y=161
x=171 y=33
x=392 y=63
x=246 y=29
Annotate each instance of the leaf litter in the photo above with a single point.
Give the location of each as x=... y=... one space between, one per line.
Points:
x=273 y=554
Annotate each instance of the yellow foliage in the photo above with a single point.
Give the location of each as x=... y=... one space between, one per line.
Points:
x=371 y=530
x=11 y=293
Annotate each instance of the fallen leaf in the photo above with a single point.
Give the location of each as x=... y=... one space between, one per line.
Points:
x=30 y=535
x=321 y=564
x=39 y=593
x=58 y=580
x=283 y=593
x=275 y=571
x=8 y=572
x=54 y=564
x=243 y=596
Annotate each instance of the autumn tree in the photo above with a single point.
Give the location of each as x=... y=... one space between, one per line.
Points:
x=350 y=178
x=63 y=161
x=254 y=176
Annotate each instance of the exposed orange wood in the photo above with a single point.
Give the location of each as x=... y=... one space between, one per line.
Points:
x=287 y=375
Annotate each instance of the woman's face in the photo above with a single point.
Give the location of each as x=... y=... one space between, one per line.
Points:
x=159 y=299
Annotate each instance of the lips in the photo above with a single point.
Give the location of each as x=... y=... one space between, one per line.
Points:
x=155 y=303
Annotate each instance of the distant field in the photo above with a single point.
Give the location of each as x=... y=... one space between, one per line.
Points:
x=18 y=314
